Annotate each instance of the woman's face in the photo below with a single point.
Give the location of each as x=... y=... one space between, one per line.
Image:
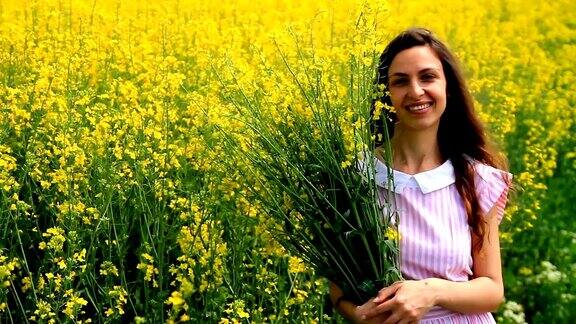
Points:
x=417 y=88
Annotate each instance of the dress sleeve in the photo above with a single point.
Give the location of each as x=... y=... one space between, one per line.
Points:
x=492 y=188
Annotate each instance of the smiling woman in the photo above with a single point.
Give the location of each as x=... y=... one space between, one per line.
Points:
x=448 y=189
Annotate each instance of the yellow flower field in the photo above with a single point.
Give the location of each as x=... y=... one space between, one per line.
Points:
x=117 y=199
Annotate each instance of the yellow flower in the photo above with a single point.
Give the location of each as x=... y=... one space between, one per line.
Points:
x=392 y=233
x=26 y=284
x=176 y=300
x=109 y=312
x=73 y=306
x=525 y=271
x=296 y=265
x=108 y=268
x=43 y=310
x=56 y=239
x=148 y=267
x=7 y=269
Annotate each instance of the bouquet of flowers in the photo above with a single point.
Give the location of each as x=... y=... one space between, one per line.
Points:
x=309 y=148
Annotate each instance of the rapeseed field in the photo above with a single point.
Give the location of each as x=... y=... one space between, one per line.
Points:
x=119 y=201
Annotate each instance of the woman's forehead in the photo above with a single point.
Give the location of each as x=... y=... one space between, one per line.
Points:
x=415 y=59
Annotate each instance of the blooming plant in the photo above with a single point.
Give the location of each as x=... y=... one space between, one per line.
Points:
x=312 y=161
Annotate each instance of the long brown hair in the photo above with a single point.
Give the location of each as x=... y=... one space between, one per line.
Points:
x=461 y=135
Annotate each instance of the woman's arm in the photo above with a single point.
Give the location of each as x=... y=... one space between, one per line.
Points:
x=485 y=292
x=411 y=300
x=344 y=307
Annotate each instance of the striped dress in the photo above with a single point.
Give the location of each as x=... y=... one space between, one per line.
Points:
x=435 y=236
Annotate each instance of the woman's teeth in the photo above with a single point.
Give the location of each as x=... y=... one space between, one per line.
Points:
x=416 y=108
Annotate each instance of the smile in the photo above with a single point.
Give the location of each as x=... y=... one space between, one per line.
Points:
x=418 y=107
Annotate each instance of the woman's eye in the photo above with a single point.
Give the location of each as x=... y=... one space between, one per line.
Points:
x=428 y=77
x=397 y=82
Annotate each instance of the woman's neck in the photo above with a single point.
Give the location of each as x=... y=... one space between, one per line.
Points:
x=415 y=152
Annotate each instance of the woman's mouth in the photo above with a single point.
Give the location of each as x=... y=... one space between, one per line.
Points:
x=418 y=107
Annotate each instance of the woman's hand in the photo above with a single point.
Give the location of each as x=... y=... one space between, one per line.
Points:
x=402 y=302
x=368 y=308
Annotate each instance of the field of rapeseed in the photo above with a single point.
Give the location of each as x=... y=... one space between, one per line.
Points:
x=117 y=199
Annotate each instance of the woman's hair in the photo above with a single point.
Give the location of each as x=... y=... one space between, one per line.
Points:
x=461 y=136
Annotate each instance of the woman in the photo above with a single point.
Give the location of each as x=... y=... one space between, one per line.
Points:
x=449 y=189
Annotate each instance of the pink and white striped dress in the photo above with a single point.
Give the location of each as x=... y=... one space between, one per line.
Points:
x=435 y=236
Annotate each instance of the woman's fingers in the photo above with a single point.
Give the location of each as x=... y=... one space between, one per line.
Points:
x=380 y=308
x=385 y=293
x=366 y=308
x=393 y=319
x=407 y=321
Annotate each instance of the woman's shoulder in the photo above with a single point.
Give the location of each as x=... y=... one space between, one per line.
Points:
x=492 y=186
x=490 y=174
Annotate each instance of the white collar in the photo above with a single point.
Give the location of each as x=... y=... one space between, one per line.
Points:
x=428 y=181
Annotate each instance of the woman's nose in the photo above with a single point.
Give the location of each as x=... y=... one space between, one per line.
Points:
x=415 y=89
